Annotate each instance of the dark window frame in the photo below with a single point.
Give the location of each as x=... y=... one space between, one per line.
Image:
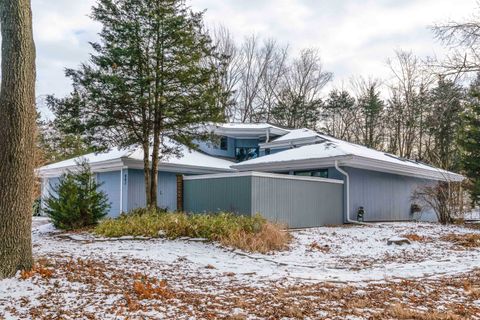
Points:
x=223 y=145
x=319 y=173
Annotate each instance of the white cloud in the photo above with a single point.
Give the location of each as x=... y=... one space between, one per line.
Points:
x=354 y=37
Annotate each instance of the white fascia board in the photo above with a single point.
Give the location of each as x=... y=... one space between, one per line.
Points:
x=393 y=168
x=262 y=174
x=289 y=143
x=249 y=132
x=103 y=166
x=292 y=164
x=177 y=168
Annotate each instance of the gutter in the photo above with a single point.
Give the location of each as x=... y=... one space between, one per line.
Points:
x=347 y=187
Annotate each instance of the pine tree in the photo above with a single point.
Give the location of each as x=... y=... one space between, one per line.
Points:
x=339 y=114
x=371 y=107
x=294 y=111
x=444 y=123
x=151 y=76
x=470 y=141
x=76 y=201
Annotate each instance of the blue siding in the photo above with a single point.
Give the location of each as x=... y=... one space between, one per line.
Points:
x=111 y=186
x=167 y=190
x=209 y=147
x=47 y=189
x=297 y=203
x=385 y=196
x=230 y=194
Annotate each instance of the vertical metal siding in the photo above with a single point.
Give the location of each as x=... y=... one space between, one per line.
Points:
x=111 y=186
x=166 y=193
x=167 y=190
x=136 y=189
x=385 y=197
x=232 y=194
x=298 y=203
x=47 y=190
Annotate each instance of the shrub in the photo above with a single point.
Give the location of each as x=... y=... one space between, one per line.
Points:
x=76 y=201
x=246 y=233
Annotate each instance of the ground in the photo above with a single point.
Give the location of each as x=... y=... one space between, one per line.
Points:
x=342 y=272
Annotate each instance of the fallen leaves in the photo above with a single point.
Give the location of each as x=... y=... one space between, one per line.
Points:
x=468 y=240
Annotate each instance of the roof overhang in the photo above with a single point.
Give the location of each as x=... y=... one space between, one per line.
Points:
x=124 y=163
x=289 y=143
x=177 y=168
x=101 y=166
x=354 y=162
x=252 y=132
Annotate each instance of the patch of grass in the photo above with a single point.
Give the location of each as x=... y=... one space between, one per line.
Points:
x=415 y=237
x=468 y=240
x=253 y=234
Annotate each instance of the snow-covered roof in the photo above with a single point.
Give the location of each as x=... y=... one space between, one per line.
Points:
x=246 y=130
x=296 y=134
x=116 y=158
x=328 y=149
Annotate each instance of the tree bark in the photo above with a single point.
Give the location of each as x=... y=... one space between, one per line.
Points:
x=17 y=124
x=146 y=171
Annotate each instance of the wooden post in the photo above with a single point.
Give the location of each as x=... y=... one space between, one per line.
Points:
x=179 y=192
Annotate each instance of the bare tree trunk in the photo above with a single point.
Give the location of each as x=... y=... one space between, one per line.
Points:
x=17 y=123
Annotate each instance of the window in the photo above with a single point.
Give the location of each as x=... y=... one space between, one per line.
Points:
x=322 y=173
x=246 y=153
x=224 y=143
x=267 y=151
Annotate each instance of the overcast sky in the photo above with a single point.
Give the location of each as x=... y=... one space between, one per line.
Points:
x=355 y=37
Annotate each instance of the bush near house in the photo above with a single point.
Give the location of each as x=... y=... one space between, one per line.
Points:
x=254 y=234
x=76 y=201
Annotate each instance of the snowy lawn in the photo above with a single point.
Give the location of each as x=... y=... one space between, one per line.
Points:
x=329 y=272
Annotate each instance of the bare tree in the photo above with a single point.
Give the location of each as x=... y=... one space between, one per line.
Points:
x=463 y=38
x=406 y=107
x=255 y=60
x=17 y=140
x=229 y=68
x=444 y=197
x=299 y=100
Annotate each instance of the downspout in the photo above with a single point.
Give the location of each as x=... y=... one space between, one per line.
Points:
x=347 y=187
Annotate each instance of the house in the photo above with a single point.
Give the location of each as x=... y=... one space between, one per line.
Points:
x=298 y=177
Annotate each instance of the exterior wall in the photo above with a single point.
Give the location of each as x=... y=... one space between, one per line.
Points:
x=210 y=148
x=111 y=186
x=298 y=203
x=47 y=189
x=166 y=193
x=232 y=194
x=384 y=196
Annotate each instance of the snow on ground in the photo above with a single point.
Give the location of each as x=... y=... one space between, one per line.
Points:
x=96 y=277
x=355 y=253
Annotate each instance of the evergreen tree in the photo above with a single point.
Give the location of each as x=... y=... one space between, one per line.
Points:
x=76 y=201
x=444 y=123
x=65 y=136
x=470 y=141
x=151 y=76
x=372 y=107
x=339 y=114
x=294 y=111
